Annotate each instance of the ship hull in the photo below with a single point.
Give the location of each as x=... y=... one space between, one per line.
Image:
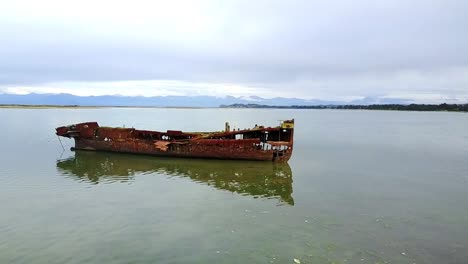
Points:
x=209 y=150
x=259 y=143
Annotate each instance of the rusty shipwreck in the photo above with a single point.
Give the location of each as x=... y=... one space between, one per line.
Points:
x=257 y=143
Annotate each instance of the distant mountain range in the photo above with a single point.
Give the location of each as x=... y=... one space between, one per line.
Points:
x=174 y=101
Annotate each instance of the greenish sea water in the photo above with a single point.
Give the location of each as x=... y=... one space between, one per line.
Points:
x=361 y=187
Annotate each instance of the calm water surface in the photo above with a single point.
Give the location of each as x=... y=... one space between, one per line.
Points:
x=361 y=187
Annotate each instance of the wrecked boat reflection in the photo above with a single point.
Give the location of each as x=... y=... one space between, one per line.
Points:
x=258 y=179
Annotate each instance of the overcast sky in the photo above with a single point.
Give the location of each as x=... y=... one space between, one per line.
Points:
x=330 y=50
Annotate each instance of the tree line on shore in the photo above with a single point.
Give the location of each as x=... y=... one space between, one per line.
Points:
x=396 y=107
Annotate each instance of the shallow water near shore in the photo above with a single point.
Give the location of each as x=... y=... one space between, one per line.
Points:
x=361 y=187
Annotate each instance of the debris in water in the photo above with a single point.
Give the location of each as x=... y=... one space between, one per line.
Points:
x=297 y=261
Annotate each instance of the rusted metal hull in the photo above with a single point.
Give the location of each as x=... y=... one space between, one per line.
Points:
x=251 y=144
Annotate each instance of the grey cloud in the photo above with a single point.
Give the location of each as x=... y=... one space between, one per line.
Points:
x=295 y=42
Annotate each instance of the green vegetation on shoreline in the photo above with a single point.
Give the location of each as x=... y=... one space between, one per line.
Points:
x=395 y=107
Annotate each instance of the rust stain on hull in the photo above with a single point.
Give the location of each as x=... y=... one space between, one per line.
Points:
x=259 y=143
